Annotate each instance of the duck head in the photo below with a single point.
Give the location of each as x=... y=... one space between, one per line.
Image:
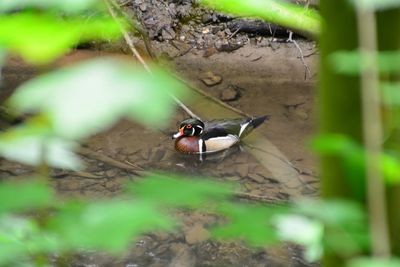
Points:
x=189 y=127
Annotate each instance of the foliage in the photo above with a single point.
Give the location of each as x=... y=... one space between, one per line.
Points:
x=371 y=262
x=73 y=103
x=274 y=11
x=71 y=6
x=353 y=156
x=87 y=98
x=37 y=37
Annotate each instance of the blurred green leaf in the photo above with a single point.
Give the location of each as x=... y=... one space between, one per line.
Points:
x=70 y=6
x=334 y=212
x=22 y=196
x=40 y=38
x=84 y=99
x=13 y=231
x=390 y=93
x=391 y=169
x=250 y=223
x=106 y=225
x=278 y=12
x=21 y=238
x=374 y=262
x=376 y=4
x=303 y=231
x=33 y=143
x=346 y=227
x=351 y=62
x=177 y=191
x=354 y=155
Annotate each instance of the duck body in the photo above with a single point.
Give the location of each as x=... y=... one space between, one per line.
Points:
x=198 y=137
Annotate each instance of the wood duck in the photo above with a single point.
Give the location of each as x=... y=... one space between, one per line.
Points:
x=197 y=137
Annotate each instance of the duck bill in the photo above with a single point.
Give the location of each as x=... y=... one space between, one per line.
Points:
x=178 y=134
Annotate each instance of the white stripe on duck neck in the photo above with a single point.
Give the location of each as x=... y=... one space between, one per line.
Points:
x=243 y=127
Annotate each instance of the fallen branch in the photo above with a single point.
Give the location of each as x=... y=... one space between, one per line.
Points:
x=110 y=161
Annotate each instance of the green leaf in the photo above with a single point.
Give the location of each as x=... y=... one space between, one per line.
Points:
x=352 y=62
x=69 y=6
x=22 y=238
x=345 y=222
x=13 y=231
x=277 y=12
x=334 y=212
x=84 y=99
x=33 y=144
x=41 y=38
x=106 y=225
x=23 y=196
x=374 y=262
x=303 y=231
x=178 y=191
x=390 y=93
x=250 y=223
x=354 y=155
x=391 y=169
x=376 y=4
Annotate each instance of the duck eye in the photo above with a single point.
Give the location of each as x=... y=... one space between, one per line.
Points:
x=189 y=126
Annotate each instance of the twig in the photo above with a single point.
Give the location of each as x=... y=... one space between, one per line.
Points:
x=233 y=34
x=108 y=160
x=310 y=54
x=137 y=27
x=259 y=198
x=124 y=3
x=372 y=124
x=307 y=69
x=82 y=174
x=131 y=45
x=127 y=38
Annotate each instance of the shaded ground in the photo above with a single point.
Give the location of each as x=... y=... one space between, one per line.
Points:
x=262 y=77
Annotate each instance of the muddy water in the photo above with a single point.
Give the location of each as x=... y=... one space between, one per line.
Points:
x=271 y=163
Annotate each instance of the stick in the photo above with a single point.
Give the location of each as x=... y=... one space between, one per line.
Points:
x=108 y=160
x=131 y=45
x=307 y=69
x=258 y=198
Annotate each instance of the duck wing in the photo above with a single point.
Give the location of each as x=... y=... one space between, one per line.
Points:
x=237 y=127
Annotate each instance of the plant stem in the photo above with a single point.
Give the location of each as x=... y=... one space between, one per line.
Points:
x=372 y=130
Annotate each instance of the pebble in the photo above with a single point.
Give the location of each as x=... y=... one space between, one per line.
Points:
x=183 y=257
x=295 y=101
x=256 y=177
x=230 y=94
x=242 y=169
x=210 y=79
x=196 y=234
x=168 y=34
x=301 y=114
x=111 y=173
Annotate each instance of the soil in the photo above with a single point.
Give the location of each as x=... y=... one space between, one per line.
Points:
x=264 y=75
